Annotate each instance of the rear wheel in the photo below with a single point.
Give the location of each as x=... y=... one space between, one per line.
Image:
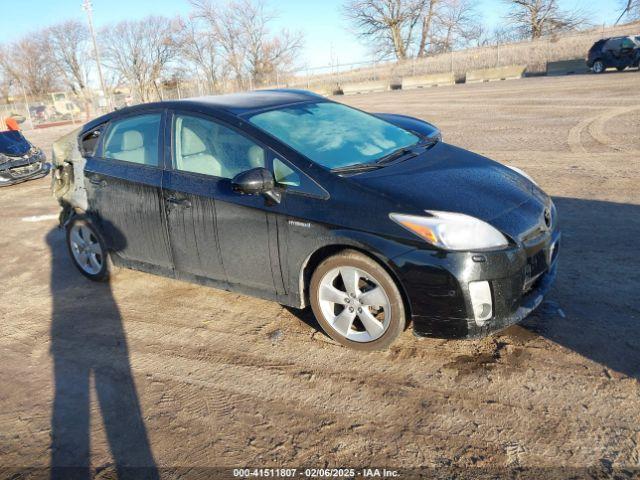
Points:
x=87 y=249
x=598 y=66
x=357 y=302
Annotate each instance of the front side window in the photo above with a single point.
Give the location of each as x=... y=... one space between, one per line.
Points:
x=627 y=43
x=334 y=135
x=134 y=139
x=203 y=146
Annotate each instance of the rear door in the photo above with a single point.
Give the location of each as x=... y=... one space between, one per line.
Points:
x=612 y=52
x=123 y=182
x=215 y=232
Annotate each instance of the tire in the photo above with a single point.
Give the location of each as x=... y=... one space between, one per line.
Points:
x=336 y=303
x=620 y=69
x=87 y=249
x=598 y=67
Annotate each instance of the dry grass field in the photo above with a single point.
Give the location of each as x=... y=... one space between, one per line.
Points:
x=534 y=54
x=148 y=371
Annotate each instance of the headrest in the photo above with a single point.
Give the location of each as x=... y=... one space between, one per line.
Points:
x=132 y=140
x=191 y=143
x=256 y=156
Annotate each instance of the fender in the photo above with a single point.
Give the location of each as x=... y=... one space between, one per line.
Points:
x=381 y=249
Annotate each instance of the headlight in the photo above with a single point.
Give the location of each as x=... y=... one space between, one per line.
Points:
x=452 y=231
x=523 y=173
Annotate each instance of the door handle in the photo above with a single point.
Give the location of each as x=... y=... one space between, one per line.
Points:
x=97 y=182
x=181 y=202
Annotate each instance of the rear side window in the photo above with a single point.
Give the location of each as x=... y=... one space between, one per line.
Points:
x=613 y=44
x=134 y=139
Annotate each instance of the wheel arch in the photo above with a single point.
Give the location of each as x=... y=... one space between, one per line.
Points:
x=328 y=250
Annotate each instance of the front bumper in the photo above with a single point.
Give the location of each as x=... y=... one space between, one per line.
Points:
x=437 y=286
x=23 y=169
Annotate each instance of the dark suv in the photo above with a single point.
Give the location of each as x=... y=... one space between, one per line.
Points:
x=615 y=52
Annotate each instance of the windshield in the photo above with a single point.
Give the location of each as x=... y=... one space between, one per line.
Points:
x=334 y=135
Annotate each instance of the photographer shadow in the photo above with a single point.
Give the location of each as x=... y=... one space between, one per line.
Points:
x=88 y=342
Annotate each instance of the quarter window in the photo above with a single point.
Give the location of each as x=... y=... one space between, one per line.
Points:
x=207 y=147
x=89 y=142
x=134 y=139
x=284 y=174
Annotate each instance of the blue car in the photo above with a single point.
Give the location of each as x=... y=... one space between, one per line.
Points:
x=20 y=160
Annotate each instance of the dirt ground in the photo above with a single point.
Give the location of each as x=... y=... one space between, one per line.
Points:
x=148 y=371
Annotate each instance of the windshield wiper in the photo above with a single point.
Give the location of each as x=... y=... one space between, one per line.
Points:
x=381 y=162
x=396 y=154
x=358 y=167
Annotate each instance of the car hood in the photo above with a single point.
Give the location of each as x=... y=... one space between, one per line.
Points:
x=13 y=144
x=451 y=179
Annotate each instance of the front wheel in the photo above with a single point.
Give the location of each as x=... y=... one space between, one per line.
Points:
x=357 y=302
x=598 y=66
x=87 y=249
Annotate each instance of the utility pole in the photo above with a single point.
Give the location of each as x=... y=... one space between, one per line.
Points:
x=87 y=7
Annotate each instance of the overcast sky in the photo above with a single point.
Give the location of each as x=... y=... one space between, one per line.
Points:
x=321 y=20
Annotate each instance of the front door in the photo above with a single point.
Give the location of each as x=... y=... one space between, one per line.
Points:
x=123 y=182
x=215 y=232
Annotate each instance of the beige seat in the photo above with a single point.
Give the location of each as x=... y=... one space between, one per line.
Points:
x=192 y=155
x=256 y=156
x=131 y=148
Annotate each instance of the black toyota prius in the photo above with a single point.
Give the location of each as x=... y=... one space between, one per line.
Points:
x=371 y=219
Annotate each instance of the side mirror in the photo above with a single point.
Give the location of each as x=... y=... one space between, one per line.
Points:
x=255 y=182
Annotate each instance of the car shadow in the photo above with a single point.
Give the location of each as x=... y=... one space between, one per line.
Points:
x=593 y=308
x=89 y=346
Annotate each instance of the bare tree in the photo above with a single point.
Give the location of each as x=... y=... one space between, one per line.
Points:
x=405 y=28
x=5 y=81
x=630 y=10
x=427 y=22
x=27 y=63
x=200 y=50
x=389 y=25
x=140 y=51
x=535 y=18
x=69 y=50
x=456 y=25
x=241 y=28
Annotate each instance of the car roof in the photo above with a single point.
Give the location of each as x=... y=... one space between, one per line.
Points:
x=233 y=103
x=246 y=102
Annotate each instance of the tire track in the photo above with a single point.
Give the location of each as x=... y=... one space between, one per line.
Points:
x=596 y=129
x=595 y=126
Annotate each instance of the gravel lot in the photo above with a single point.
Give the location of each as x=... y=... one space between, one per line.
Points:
x=156 y=372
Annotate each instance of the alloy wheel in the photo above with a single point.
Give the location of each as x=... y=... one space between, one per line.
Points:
x=598 y=66
x=354 y=304
x=86 y=249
